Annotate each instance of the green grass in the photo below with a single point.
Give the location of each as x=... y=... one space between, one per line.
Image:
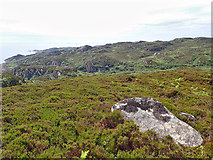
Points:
x=72 y=117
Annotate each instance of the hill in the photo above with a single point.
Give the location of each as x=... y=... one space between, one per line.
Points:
x=116 y=58
x=71 y=117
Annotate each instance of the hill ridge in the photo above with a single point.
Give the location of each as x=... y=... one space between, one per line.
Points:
x=112 y=58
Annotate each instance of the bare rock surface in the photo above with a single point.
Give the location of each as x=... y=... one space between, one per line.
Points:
x=149 y=114
x=189 y=116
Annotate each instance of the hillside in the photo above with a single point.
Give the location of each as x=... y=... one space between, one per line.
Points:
x=116 y=58
x=71 y=117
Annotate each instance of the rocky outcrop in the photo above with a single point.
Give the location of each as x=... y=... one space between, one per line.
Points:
x=29 y=73
x=90 y=68
x=149 y=114
x=83 y=48
x=54 y=63
x=4 y=68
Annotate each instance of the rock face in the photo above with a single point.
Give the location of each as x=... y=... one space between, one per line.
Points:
x=149 y=114
x=30 y=72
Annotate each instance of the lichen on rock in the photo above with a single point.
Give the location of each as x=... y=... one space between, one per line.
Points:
x=149 y=114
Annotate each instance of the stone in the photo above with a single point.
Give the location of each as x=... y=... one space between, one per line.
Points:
x=83 y=48
x=149 y=114
x=189 y=116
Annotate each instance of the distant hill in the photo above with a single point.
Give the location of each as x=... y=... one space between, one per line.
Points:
x=116 y=58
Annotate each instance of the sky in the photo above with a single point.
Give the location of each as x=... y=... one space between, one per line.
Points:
x=40 y=24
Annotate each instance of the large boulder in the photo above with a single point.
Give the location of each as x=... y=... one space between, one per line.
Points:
x=149 y=114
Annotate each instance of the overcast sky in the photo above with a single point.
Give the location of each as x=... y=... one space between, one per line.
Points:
x=40 y=24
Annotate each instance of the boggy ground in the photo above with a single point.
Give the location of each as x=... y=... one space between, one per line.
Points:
x=72 y=117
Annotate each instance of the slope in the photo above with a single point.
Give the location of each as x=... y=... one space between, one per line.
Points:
x=71 y=117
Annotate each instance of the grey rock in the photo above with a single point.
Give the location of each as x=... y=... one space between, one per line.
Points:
x=189 y=116
x=149 y=114
x=89 y=67
x=83 y=48
x=54 y=63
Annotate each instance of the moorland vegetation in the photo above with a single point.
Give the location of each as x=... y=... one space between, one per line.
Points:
x=71 y=117
x=117 y=58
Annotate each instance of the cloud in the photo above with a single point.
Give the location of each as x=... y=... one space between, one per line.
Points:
x=99 y=19
x=39 y=24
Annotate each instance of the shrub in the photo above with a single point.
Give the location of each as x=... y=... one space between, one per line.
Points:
x=113 y=119
x=9 y=80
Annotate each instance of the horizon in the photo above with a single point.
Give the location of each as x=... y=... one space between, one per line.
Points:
x=33 y=51
x=38 y=25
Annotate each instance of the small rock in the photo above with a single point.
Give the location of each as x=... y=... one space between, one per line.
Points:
x=191 y=117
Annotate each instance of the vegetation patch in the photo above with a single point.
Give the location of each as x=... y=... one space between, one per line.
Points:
x=72 y=117
x=118 y=58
